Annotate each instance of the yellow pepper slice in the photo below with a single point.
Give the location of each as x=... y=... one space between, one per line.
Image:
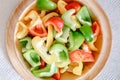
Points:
x=49 y=37
x=22 y=30
x=32 y=15
x=48 y=16
x=92 y=45
x=42 y=14
x=61 y=6
x=76 y=68
x=38 y=45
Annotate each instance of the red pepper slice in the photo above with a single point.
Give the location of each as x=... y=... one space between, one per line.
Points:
x=38 y=30
x=57 y=22
x=81 y=55
x=73 y=5
x=96 y=28
x=57 y=75
x=43 y=64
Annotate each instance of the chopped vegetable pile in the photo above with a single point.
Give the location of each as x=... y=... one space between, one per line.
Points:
x=58 y=37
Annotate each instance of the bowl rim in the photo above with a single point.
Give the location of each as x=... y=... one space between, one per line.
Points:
x=18 y=65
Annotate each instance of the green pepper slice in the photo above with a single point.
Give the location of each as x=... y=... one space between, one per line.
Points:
x=76 y=39
x=61 y=51
x=64 y=36
x=46 y=5
x=68 y=20
x=83 y=16
x=25 y=44
x=48 y=71
x=32 y=58
x=87 y=32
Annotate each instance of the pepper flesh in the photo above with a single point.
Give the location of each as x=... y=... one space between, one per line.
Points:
x=87 y=32
x=46 y=5
x=63 y=38
x=57 y=23
x=83 y=16
x=48 y=71
x=67 y=19
x=22 y=30
x=32 y=57
x=25 y=44
x=61 y=51
x=76 y=39
x=38 y=45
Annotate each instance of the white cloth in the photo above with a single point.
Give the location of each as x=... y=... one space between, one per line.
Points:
x=111 y=71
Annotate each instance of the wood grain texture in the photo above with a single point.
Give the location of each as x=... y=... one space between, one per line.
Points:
x=91 y=71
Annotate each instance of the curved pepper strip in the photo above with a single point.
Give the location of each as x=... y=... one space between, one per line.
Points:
x=76 y=68
x=22 y=30
x=46 y=5
x=32 y=58
x=63 y=38
x=76 y=39
x=38 y=45
x=48 y=16
x=25 y=44
x=92 y=45
x=49 y=37
x=61 y=6
x=96 y=28
x=83 y=16
x=57 y=23
x=67 y=19
x=48 y=71
x=33 y=15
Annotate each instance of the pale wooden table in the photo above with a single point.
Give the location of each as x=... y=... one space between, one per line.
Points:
x=111 y=71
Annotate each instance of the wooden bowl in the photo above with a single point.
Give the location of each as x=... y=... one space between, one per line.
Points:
x=91 y=70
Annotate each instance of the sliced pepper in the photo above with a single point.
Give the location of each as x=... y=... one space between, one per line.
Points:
x=49 y=37
x=46 y=5
x=61 y=6
x=61 y=51
x=96 y=28
x=76 y=68
x=48 y=16
x=63 y=38
x=37 y=29
x=57 y=23
x=87 y=32
x=32 y=16
x=67 y=19
x=81 y=56
x=73 y=5
x=92 y=45
x=38 y=45
x=32 y=58
x=83 y=16
x=48 y=71
x=25 y=44
x=76 y=39
x=22 y=30
x=74 y=19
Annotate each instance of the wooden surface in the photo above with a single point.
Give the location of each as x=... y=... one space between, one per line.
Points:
x=11 y=31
